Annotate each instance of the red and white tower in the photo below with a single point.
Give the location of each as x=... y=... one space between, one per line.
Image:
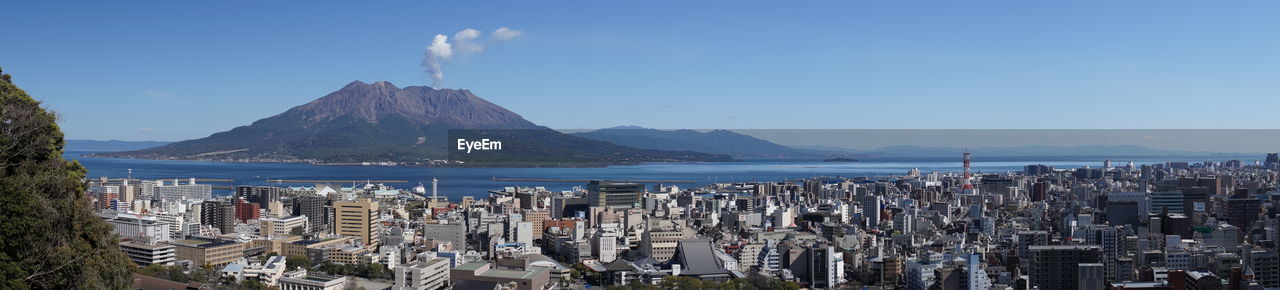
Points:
x=966 y=183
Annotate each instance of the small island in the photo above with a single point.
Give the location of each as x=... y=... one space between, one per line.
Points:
x=840 y=159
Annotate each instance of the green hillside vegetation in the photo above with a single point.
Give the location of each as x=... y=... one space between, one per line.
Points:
x=49 y=236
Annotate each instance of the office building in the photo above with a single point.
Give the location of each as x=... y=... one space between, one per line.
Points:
x=613 y=194
x=301 y=280
x=428 y=273
x=144 y=251
x=140 y=226
x=469 y=275
x=317 y=211
x=358 y=218
x=202 y=251
x=281 y=226
x=1092 y=276
x=1058 y=266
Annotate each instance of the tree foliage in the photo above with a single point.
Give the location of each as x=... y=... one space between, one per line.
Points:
x=363 y=270
x=295 y=261
x=49 y=236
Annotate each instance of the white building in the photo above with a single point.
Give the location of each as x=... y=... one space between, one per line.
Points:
x=428 y=273
x=281 y=226
x=300 y=280
x=176 y=191
x=268 y=273
x=140 y=226
x=524 y=233
x=144 y=251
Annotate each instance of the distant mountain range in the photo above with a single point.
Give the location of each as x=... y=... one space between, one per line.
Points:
x=110 y=145
x=715 y=141
x=376 y=122
x=1015 y=151
x=745 y=146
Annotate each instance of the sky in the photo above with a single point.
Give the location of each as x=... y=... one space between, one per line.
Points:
x=176 y=70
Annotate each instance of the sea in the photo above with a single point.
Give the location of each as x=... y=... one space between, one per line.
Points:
x=455 y=183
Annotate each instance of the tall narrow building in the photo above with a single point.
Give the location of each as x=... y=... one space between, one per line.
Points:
x=358 y=218
x=314 y=208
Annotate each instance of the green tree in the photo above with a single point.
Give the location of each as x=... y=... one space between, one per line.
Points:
x=252 y=284
x=49 y=237
x=295 y=261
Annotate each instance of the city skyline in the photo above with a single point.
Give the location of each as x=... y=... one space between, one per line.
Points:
x=1093 y=65
x=517 y=145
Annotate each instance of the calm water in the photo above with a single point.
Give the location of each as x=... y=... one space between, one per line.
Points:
x=457 y=182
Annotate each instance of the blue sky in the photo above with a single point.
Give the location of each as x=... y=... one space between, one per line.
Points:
x=173 y=70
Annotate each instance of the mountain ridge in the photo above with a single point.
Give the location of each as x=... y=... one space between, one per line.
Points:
x=1024 y=150
x=718 y=141
x=379 y=122
x=110 y=145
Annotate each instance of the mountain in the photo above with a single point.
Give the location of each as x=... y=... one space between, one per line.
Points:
x=716 y=141
x=378 y=122
x=110 y=145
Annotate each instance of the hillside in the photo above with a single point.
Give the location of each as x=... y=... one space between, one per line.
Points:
x=715 y=141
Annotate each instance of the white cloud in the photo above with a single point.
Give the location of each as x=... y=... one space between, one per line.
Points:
x=506 y=34
x=465 y=40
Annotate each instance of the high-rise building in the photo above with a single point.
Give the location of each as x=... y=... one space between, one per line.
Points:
x=1058 y=266
x=246 y=210
x=613 y=194
x=1273 y=161
x=1139 y=198
x=1091 y=276
x=316 y=209
x=1124 y=213
x=524 y=233
x=262 y=195
x=536 y=217
x=1167 y=201
x=1243 y=211
x=1039 y=191
x=219 y=213
x=358 y=218
x=1266 y=267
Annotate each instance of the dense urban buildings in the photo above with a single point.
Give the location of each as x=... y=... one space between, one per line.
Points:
x=1174 y=225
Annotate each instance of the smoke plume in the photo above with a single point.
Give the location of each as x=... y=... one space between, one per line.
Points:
x=467 y=41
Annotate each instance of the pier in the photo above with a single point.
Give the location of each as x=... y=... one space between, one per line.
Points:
x=333 y=181
x=588 y=180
